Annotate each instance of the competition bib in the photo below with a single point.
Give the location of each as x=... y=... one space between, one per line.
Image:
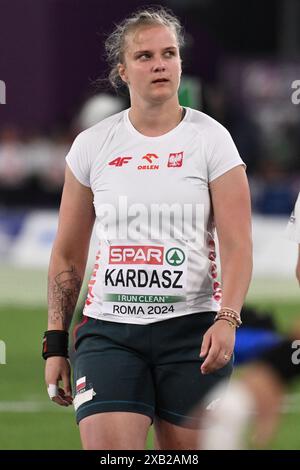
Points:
x=144 y=280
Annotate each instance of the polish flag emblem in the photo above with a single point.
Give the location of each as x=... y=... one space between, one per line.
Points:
x=175 y=159
x=80 y=384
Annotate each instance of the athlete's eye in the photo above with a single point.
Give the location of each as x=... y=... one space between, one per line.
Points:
x=169 y=53
x=144 y=56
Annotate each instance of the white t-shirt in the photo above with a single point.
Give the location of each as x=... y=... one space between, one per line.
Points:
x=156 y=257
x=293 y=227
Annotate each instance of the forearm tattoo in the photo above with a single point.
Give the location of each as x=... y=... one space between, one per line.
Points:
x=63 y=293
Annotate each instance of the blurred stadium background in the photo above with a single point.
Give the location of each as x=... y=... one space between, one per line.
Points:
x=240 y=61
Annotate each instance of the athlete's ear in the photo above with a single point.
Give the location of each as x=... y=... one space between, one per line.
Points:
x=122 y=72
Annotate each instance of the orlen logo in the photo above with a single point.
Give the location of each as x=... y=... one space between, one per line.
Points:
x=119 y=161
x=175 y=159
x=150 y=157
x=136 y=254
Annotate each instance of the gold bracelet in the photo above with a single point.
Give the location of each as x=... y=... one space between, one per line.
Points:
x=231 y=317
x=228 y=316
x=232 y=325
x=231 y=313
x=228 y=309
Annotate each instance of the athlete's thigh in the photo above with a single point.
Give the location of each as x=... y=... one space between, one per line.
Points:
x=114 y=430
x=109 y=374
x=168 y=436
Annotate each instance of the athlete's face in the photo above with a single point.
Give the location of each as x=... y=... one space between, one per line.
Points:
x=152 y=64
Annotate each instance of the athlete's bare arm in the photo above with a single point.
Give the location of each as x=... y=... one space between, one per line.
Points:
x=232 y=214
x=66 y=271
x=70 y=251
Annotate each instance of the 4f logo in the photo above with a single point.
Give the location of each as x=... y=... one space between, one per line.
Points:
x=2 y=92
x=120 y=161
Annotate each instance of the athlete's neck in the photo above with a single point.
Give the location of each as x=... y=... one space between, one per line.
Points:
x=155 y=120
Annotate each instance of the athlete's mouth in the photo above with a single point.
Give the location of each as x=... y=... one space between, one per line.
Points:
x=160 y=80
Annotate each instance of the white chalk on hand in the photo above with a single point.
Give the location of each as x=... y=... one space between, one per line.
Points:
x=52 y=391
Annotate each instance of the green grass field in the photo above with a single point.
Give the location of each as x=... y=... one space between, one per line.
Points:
x=28 y=420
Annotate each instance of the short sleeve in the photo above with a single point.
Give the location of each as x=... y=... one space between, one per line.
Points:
x=78 y=159
x=222 y=153
x=292 y=231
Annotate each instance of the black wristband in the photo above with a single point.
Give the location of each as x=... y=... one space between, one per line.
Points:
x=55 y=343
x=280 y=359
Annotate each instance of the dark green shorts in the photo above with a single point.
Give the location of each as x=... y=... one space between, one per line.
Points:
x=150 y=369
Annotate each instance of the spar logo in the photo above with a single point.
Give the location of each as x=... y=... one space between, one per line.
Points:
x=136 y=254
x=175 y=159
x=175 y=256
x=149 y=158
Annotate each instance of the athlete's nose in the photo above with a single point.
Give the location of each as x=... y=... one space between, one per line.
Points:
x=159 y=66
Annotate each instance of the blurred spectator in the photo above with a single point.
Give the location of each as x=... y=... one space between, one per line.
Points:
x=32 y=165
x=12 y=168
x=254 y=398
x=96 y=109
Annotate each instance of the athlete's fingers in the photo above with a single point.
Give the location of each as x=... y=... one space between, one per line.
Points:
x=61 y=398
x=67 y=384
x=208 y=364
x=57 y=395
x=69 y=399
x=206 y=343
x=64 y=397
x=221 y=360
x=59 y=401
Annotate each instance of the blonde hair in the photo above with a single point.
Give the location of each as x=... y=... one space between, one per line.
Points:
x=116 y=41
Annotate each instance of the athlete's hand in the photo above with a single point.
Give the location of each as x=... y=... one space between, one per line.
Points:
x=217 y=346
x=58 y=368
